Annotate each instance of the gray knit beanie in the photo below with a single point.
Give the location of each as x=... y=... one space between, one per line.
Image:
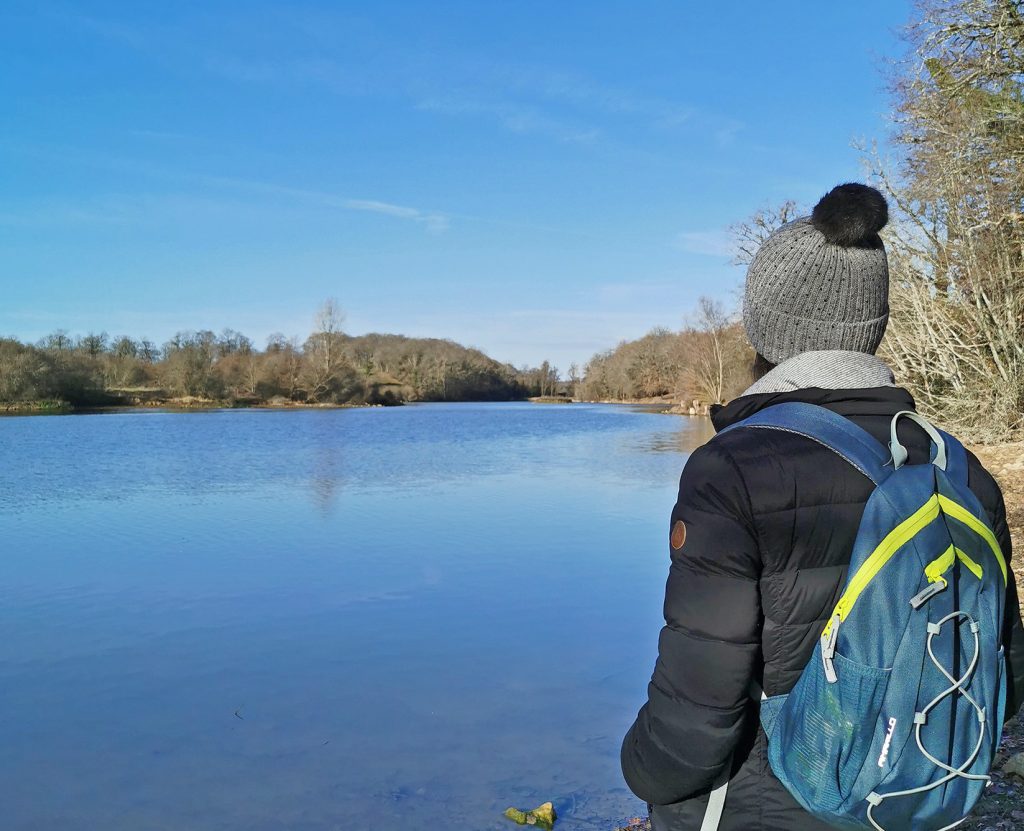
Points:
x=822 y=281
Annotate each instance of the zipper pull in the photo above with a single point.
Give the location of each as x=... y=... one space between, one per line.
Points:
x=828 y=648
x=926 y=594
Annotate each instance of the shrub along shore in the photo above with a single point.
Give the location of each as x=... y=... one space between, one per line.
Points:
x=153 y=399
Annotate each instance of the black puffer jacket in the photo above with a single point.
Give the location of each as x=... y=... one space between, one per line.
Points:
x=770 y=519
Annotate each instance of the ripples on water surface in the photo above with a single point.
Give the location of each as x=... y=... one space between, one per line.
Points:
x=404 y=618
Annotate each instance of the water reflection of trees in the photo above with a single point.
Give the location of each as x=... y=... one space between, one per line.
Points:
x=326 y=479
x=694 y=433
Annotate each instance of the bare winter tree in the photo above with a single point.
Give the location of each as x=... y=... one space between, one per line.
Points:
x=749 y=234
x=188 y=367
x=956 y=333
x=57 y=342
x=574 y=379
x=325 y=362
x=122 y=367
x=93 y=344
x=719 y=358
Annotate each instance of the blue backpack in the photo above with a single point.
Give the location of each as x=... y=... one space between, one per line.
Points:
x=894 y=722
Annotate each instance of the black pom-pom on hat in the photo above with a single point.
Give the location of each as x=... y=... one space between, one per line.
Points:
x=851 y=215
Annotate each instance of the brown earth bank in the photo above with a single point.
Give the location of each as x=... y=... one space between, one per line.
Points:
x=1002 y=806
x=185 y=402
x=666 y=404
x=28 y=407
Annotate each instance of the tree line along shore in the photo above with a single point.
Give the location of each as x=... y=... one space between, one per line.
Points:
x=330 y=368
x=201 y=368
x=195 y=369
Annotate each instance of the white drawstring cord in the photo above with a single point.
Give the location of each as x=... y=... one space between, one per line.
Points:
x=920 y=719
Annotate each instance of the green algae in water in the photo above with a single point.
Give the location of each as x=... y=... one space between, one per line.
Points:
x=543 y=816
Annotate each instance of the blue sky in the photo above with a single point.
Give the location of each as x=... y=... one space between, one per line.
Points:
x=537 y=179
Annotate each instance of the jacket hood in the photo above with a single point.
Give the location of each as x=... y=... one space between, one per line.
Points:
x=852 y=402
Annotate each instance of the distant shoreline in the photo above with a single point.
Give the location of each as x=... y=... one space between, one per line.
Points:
x=191 y=403
x=66 y=408
x=194 y=403
x=665 y=405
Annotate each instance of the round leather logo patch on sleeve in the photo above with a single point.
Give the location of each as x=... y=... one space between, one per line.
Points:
x=678 y=536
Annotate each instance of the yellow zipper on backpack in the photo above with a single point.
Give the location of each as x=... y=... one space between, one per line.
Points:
x=961 y=514
x=900 y=536
x=894 y=540
x=944 y=562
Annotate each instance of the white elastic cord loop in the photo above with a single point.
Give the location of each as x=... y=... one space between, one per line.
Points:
x=921 y=718
x=957 y=685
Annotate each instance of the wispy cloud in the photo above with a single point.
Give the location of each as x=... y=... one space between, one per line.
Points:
x=518 y=118
x=707 y=243
x=434 y=222
x=582 y=92
x=161 y=135
x=108 y=29
x=334 y=75
x=501 y=90
x=550 y=102
x=349 y=56
x=67 y=214
x=122 y=208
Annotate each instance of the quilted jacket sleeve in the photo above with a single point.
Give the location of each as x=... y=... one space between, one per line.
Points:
x=1013 y=631
x=699 y=695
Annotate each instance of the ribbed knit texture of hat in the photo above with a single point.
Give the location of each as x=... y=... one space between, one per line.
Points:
x=821 y=282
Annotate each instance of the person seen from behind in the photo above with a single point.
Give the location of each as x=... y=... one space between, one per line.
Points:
x=761 y=536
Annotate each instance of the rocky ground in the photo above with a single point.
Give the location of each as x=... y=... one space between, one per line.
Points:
x=1002 y=807
x=636 y=824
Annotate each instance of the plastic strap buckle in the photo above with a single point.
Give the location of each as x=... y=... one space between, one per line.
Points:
x=828 y=649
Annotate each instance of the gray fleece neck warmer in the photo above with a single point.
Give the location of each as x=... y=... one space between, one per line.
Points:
x=821 y=282
x=830 y=370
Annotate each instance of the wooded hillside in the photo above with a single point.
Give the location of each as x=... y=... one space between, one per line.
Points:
x=709 y=360
x=329 y=366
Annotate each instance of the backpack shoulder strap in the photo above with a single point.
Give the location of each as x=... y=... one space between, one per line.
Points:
x=957 y=465
x=838 y=434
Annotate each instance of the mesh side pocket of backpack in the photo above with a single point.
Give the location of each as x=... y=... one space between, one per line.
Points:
x=824 y=732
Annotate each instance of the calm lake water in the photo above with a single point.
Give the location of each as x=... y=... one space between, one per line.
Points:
x=404 y=618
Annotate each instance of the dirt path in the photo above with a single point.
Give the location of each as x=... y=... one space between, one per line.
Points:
x=1002 y=807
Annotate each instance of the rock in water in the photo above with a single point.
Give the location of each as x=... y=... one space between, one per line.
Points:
x=543 y=816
